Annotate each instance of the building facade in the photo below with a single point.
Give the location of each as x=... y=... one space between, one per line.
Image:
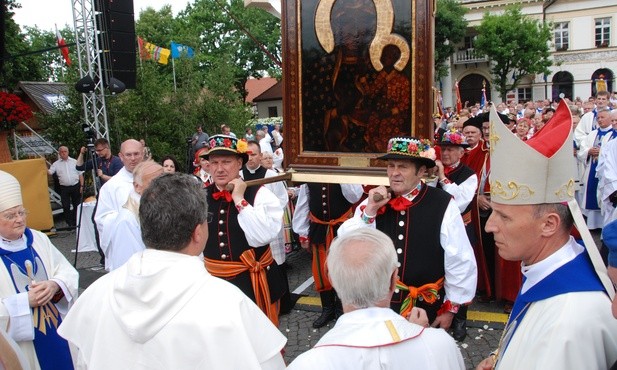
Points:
x=583 y=49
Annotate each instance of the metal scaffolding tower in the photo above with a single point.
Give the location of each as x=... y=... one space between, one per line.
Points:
x=89 y=55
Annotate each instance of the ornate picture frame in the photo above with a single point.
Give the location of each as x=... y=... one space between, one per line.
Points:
x=356 y=72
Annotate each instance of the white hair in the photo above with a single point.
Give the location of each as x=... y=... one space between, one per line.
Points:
x=360 y=267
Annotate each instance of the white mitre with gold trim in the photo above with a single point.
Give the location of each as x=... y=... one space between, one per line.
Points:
x=539 y=170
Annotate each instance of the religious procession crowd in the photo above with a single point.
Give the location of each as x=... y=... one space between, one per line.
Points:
x=487 y=210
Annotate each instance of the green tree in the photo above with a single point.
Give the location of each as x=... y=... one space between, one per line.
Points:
x=450 y=28
x=217 y=28
x=516 y=46
x=17 y=65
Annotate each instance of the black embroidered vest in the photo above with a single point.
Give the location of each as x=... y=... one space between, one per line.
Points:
x=326 y=202
x=415 y=233
x=226 y=242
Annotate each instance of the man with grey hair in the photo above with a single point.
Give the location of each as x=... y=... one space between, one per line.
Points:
x=363 y=269
x=135 y=316
x=124 y=230
x=71 y=183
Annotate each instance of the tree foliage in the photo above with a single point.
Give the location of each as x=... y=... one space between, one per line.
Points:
x=217 y=27
x=17 y=66
x=450 y=28
x=516 y=46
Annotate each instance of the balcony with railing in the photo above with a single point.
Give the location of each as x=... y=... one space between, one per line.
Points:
x=468 y=56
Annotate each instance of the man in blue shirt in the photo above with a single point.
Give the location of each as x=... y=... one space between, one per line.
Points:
x=106 y=163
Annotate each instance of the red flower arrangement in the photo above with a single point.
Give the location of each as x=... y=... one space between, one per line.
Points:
x=12 y=111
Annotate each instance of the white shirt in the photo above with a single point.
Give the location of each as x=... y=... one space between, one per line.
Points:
x=263 y=220
x=462 y=193
x=459 y=261
x=67 y=174
x=124 y=321
x=540 y=270
x=378 y=338
x=277 y=188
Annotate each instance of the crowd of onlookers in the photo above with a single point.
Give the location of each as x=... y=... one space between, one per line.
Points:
x=597 y=116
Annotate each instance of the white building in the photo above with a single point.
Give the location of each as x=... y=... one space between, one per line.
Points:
x=584 y=48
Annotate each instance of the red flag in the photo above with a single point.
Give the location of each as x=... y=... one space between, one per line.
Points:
x=459 y=103
x=144 y=54
x=63 y=48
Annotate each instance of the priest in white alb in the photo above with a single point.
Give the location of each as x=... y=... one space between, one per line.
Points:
x=561 y=318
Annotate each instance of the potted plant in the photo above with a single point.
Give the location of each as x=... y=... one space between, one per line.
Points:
x=12 y=111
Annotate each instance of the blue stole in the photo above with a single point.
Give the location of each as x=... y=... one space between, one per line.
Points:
x=559 y=282
x=52 y=351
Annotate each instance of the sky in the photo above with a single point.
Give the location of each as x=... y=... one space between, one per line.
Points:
x=46 y=13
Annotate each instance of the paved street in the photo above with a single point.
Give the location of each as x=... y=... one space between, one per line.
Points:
x=484 y=330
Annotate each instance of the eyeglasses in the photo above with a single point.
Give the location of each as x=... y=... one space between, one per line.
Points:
x=100 y=149
x=13 y=216
x=209 y=217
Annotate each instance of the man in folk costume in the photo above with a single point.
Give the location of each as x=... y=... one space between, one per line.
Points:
x=561 y=318
x=437 y=268
x=476 y=157
x=244 y=221
x=253 y=170
x=590 y=149
x=461 y=182
x=37 y=284
x=320 y=210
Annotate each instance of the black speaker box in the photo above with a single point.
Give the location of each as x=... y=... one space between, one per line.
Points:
x=117 y=40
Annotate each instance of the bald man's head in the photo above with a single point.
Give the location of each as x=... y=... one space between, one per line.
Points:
x=131 y=154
